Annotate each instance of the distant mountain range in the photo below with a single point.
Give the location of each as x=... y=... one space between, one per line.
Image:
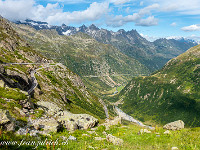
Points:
x=85 y=56
x=151 y=54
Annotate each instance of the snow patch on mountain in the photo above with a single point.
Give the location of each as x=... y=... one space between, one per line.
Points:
x=68 y=32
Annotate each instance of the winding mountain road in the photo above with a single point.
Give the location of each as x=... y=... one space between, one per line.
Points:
x=35 y=83
x=94 y=76
x=32 y=73
x=33 y=78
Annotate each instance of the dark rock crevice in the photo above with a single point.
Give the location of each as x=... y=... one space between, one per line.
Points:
x=15 y=81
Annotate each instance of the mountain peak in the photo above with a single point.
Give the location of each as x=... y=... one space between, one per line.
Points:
x=63 y=25
x=82 y=28
x=93 y=27
x=122 y=31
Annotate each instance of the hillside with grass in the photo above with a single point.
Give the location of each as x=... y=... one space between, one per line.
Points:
x=172 y=93
x=101 y=66
x=56 y=83
x=60 y=113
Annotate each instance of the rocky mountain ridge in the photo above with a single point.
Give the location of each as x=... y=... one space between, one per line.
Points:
x=101 y=66
x=151 y=54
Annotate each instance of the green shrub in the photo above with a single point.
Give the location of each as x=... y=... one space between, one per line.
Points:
x=11 y=94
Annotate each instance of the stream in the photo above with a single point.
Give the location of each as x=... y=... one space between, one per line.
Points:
x=127 y=117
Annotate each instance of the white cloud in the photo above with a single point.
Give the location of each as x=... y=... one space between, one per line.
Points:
x=195 y=27
x=188 y=7
x=148 y=9
x=68 y=1
x=92 y=13
x=174 y=37
x=195 y=37
x=173 y=24
x=149 y=38
x=52 y=13
x=55 y=14
x=119 y=2
x=127 y=9
x=42 y=13
x=191 y=37
x=15 y=10
x=138 y=18
x=150 y=21
x=141 y=3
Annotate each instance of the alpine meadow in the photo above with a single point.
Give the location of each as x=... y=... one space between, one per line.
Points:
x=103 y=75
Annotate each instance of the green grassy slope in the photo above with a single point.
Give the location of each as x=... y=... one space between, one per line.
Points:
x=170 y=94
x=83 y=55
x=56 y=83
x=186 y=139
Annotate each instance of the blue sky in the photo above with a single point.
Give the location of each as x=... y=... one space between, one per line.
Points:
x=151 y=18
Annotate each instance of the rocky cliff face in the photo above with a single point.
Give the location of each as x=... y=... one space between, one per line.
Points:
x=22 y=68
x=170 y=94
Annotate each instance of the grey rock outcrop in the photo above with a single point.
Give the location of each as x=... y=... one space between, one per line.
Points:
x=27 y=106
x=167 y=132
x=176 y=125
x=115 y=121
x=6 y=121
x=114 y=140
x=77 y=121
x=51 y=108
x=46 y=124
x=70 y=121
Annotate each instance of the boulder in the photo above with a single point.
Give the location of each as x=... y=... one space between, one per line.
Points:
x=52 y=108
x=77 y=121
x=167 y=132
x=115 y=121
x=70 y=125
x=4 y=117
x=176 y=125
x=68 y=120
x=85 y=121
x=114 y=140
x=20 y=111
x=46 y=124
x=6 y=121
x=10 y=126
x=22 y=131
